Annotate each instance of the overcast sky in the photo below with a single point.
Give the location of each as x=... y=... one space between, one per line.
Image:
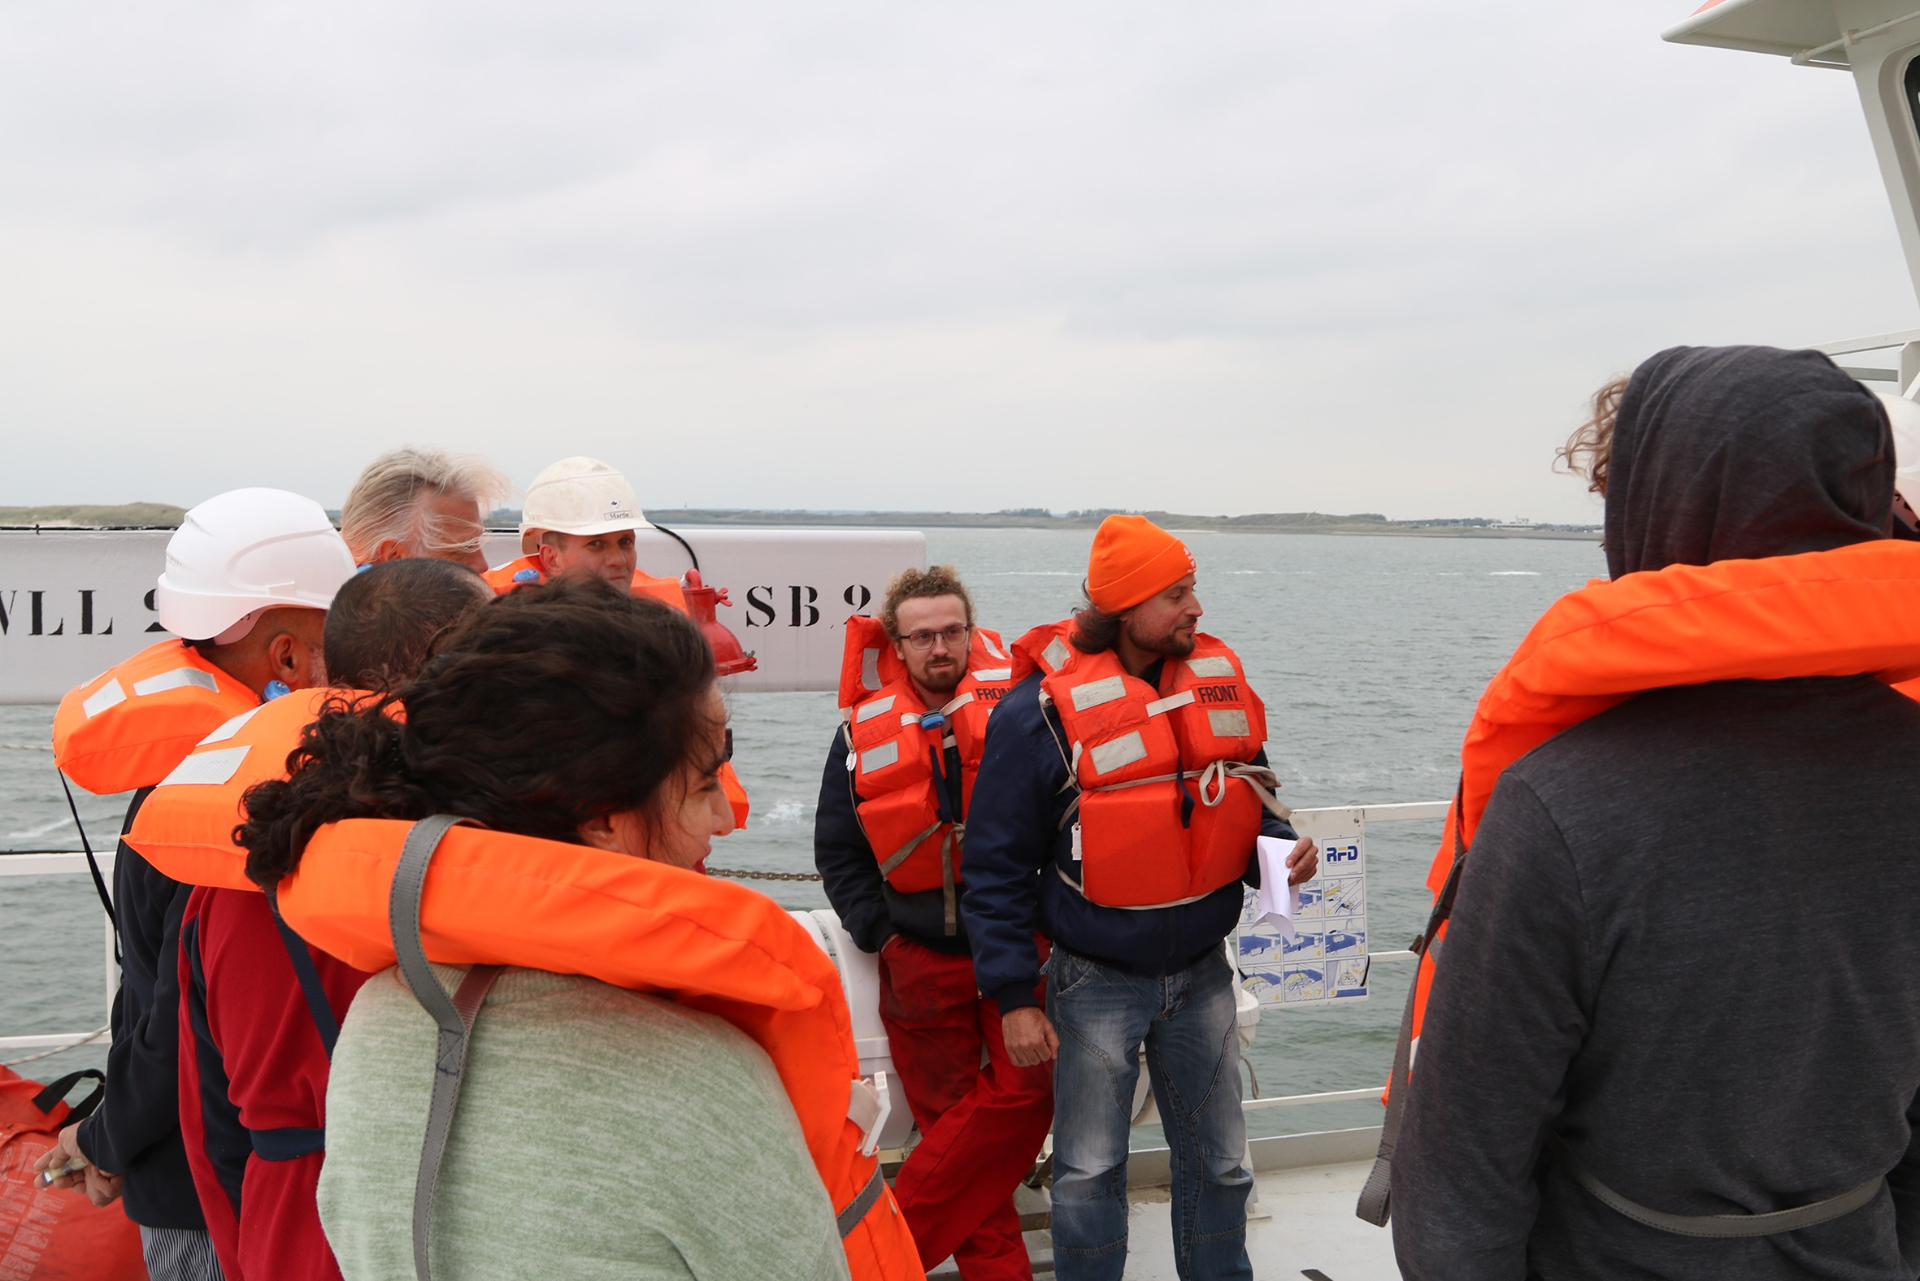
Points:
x=1213 y=258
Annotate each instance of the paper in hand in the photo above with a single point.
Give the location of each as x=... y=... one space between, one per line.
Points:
x=1277 y=900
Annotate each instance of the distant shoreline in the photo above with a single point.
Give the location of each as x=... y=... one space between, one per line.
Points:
x=1266 y=523
x=162 y=516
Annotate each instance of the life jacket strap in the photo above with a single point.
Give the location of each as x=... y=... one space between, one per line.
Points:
x=1130 y=907
x=1716 y=1225
x=318 y=1006
x=850 y=1218
x=1375 y=1204
x=288 y=1142
x=454 y=1016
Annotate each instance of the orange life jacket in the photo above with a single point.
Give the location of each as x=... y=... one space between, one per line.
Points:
x=185 y=828
x=896 y=759
x=1169 y=801
x=515 y=573
x=130 y=725
x=496 y=899
x=1843 y=612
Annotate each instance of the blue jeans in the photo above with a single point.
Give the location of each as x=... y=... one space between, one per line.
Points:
x=1193 y=1061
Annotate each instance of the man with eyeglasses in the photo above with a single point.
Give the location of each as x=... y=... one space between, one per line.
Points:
x=917 y=685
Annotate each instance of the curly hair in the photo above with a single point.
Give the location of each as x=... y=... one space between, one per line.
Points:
x=554 y=705
x=911 y=584
x=1589 y=450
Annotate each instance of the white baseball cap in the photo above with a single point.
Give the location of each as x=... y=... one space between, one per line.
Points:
x=244 y=552
x=579 y=496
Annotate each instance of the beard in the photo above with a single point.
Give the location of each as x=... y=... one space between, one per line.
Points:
x=943 y=680
x=1168 y=644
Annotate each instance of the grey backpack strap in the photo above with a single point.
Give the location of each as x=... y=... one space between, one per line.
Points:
x=1716 y=1225
x=1375 y=1198
x=849 y=1218
x=455 y=1016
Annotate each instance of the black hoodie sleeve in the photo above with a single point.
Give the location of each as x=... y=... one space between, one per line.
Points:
x=848 y=869
x=141 y=1107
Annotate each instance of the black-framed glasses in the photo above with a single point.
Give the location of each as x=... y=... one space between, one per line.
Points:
x=951 y=635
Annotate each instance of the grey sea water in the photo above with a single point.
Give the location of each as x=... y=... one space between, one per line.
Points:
x=1369 y=651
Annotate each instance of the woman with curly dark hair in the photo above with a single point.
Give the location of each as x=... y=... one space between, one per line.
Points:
x=598 y=1127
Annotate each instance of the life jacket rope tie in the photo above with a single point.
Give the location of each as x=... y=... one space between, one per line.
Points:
x=93 y=865
x=455 y=1016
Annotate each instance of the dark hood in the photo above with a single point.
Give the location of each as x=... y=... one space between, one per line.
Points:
x=1734 y=453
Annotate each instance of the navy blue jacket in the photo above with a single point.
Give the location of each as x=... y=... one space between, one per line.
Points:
x=136 y=1129
x=871 y=909
x=1013 y=838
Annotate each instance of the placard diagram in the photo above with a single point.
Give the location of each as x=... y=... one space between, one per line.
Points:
x=1326 y=959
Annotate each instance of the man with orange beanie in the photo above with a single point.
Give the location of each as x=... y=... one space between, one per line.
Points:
x=1119 y=800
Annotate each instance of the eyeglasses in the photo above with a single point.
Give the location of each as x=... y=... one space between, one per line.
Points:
x=924 y=640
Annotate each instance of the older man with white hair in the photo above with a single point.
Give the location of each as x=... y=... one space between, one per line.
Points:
x=421 y=503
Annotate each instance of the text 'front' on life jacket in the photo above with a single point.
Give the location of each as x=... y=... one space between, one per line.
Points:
x=1169 y=801
x=129 y=726
x=896 y=754
x=491 y=898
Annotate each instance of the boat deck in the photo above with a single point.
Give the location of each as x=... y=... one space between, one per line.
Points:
x=1303 y=1224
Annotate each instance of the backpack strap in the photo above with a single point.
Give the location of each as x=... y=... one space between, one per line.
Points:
x=310 y=986
x=1716 y=1225
x=454 y=1016
x=1375 y=1198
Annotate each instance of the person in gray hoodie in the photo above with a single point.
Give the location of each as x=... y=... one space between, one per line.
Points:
x=1680 y=969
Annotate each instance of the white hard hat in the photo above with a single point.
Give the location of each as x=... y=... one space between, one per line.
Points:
x=1905 y=417
x=246 y=551
x=580 y=496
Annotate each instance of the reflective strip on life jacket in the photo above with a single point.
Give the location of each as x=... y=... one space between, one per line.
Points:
x=497 y=899
x=896 y=757
x=185 y=828
x=1157 y=821
x=128 y=727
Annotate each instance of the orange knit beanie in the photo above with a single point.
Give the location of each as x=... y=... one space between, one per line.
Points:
x=1132 y=559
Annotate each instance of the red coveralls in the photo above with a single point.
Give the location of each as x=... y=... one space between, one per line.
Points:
x=979 y=1125
x=253 y=1085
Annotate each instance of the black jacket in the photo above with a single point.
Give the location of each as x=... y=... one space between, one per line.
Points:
x=136 y=1130
x=871 y=909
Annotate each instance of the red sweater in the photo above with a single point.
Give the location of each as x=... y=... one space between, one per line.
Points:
x=253 y=1084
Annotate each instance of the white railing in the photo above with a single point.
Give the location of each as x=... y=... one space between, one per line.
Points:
x=62 y=863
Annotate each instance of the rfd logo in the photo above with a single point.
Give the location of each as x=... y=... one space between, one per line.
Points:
x=1344 y=852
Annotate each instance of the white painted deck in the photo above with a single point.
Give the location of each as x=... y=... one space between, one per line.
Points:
x=1304 y=1223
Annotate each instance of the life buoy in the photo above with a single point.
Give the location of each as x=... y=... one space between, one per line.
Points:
x=129 y=726
x=897 y=752
x=1169 y=801
x=491 y=898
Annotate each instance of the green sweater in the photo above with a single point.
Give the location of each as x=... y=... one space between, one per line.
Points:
x=600 y=1134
